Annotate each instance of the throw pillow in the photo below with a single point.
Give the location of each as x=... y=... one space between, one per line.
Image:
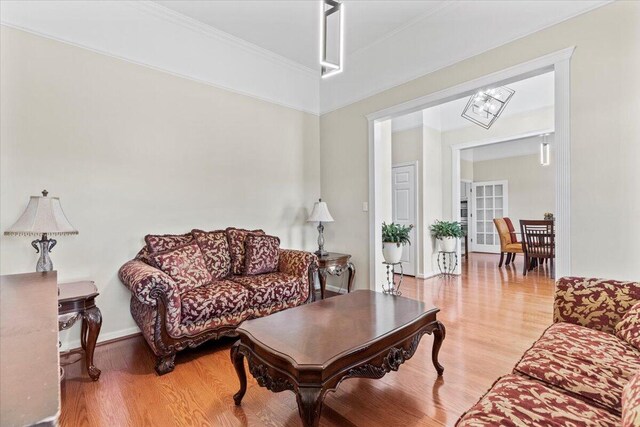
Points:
x=631 y=402
x=628 y=328
x=262 y=254
x=164 y=242
x=236 y=237
x=185 y=265
x=215 y=249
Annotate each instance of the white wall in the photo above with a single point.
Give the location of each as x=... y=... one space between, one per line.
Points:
x=130 y=151
x=605 y=140
x=432 y=200
x=531 y=185
x=466 y=170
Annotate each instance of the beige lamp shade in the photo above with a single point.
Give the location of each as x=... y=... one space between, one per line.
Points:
x=320 y=213
x=44 y=215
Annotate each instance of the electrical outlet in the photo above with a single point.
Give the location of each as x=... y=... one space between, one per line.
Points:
x=365 y=207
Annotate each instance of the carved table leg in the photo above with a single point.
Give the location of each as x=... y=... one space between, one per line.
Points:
x=83 y=334
x=93 y=319
x=438 y=336
x=310 y=405
x=238 y=362
x=352 y=276
x=322 y=276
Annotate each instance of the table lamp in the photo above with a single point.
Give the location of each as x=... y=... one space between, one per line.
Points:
x=320 y=214
x=43 y=216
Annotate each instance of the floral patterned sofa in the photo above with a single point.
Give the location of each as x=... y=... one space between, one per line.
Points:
x=189 y=288
x=583 y=371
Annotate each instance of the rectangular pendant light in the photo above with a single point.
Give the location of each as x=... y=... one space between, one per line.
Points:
x=545 y=159
x=331 y=37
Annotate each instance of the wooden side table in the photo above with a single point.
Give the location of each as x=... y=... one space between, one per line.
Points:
x=335 y=264
x=77 y=300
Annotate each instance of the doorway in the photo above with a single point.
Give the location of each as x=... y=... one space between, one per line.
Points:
x=379 y=142
x=405 y=210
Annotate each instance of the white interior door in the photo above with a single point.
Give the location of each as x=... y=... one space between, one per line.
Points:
x=489 y=200
x=404 y=210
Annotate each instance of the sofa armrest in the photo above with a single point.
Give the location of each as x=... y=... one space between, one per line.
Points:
x=595 y=303
x=142 y=278
x=300 y=264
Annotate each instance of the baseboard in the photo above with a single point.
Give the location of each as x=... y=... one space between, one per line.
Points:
x=74 y=345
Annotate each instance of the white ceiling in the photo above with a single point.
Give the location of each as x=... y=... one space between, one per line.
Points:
x=503 y=150
x=530 y=94
x=269 y=49
x=290 y=28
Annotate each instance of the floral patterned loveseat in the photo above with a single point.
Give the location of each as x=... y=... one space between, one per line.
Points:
x=583 y=371
x=189 y=288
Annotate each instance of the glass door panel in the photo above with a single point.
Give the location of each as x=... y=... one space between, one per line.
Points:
x=489 y=202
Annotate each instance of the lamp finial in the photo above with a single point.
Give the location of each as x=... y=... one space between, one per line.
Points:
x=44 y=193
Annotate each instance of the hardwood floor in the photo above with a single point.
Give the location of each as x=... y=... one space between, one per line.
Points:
x=492 y=316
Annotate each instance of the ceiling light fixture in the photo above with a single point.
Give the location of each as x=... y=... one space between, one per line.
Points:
x=485 y=106
x=545 y=159
x=331 y=37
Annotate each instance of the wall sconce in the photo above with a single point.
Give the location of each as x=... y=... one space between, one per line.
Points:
x=545 y=158
x=331 y=37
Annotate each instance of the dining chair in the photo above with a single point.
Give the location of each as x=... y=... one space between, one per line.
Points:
x=508 y=240
x=538 y=243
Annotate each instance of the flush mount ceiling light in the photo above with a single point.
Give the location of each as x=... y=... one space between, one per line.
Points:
x=545 y=160
x=331 y=37
x=485 y=107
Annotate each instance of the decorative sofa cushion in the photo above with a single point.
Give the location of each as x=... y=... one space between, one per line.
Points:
x=220 y=298
x=631 y=402
x=236 y=237
x=270 y=288
x=592 y=365
x=185 y=265
x=628 y=328
x=596 y=303
x=518 y=401
x=164 y=242
x=262 y=253
x=215 y=249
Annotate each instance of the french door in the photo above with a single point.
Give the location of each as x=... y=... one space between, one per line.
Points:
x=489 y=200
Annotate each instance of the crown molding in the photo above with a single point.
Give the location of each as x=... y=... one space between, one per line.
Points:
x=172 y=16
x=419 y=18
x=154 y=37
x=383 y=86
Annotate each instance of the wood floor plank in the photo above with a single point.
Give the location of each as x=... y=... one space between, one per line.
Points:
x=492 y=316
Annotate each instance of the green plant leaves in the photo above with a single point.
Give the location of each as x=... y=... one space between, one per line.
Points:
x=396 y=233
x=446 y=229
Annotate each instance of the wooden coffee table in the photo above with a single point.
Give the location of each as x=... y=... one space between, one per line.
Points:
x=312 y=348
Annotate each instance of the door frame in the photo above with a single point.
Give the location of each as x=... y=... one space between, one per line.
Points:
x=505 y=198
x=415 y=245
x=560 y=63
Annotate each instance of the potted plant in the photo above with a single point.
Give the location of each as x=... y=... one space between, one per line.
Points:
x=447 y=233
x=394 y=237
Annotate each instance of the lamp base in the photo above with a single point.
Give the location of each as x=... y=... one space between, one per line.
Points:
x=43 y=247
